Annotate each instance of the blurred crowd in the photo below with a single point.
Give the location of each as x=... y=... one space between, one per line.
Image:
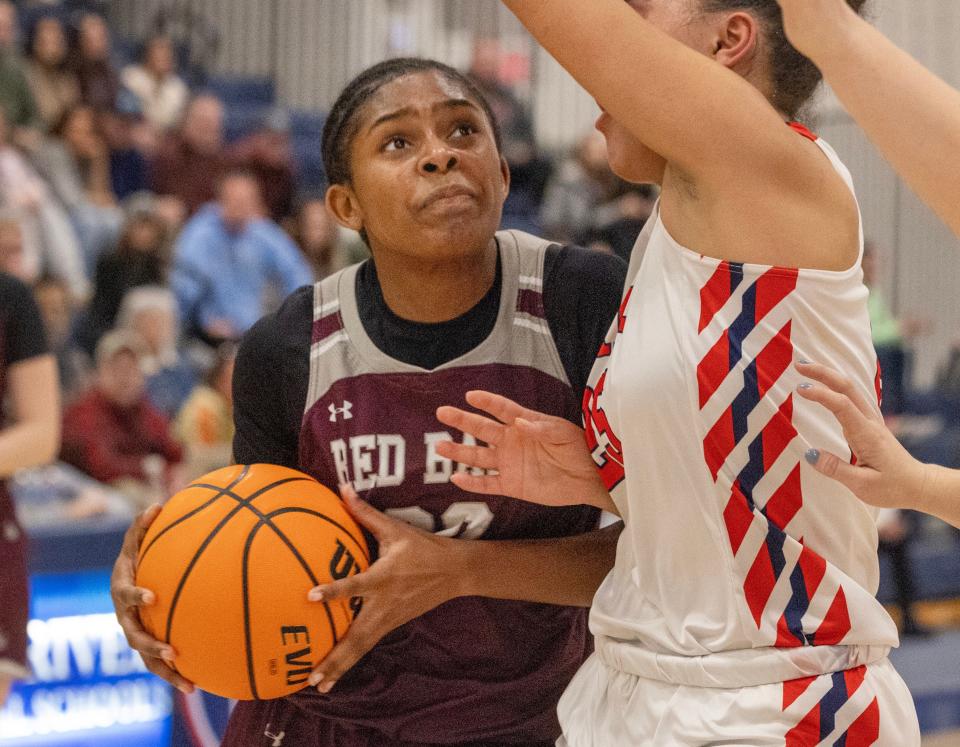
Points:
x=153 y=239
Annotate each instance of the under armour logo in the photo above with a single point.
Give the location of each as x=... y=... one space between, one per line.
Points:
x=277 y=738
x=345 y=411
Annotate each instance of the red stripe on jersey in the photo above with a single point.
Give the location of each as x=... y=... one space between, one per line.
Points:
x=622 y=313
x=778 y=433
x=772 y=287
x=814 y=568
x=714 y=294
x=836 y=624
x=713 y=369
x=865 y=731
x=807 y=732
x=738 y=517
x=719 y=442
x=793 y=689
x=797 y=127
x=774 y=359
x=786 y=501
x=759 y=583
x=854 y=678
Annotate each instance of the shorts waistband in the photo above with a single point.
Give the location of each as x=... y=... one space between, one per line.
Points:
x=738 y=668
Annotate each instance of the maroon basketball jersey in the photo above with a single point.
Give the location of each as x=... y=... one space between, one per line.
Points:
x=474 y=668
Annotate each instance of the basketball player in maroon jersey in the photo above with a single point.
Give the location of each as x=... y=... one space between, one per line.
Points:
x=470 y=643
x=28 y=382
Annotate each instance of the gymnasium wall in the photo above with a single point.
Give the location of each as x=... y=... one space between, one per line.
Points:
x=312 y=47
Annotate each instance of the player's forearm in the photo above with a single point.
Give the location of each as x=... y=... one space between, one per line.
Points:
x=911 y=115
x=564 y=571
x=28 y=445
x=940 y=495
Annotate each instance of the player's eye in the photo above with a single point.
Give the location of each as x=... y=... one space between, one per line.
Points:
x=396 y=143
x=465 y=129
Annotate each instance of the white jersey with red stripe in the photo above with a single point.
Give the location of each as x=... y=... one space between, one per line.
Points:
x=739 y=564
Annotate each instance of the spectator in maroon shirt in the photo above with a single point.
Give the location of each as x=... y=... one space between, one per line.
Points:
x=191 y=161
x=114 y=434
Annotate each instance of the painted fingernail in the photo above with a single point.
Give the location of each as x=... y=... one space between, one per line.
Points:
x=812 y=456
x=315 y=678
x=315 y=595
x=805 y=385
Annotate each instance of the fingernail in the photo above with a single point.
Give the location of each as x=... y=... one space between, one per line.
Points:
x=326 y=687
x=315 y=678
x=185 y=689
x=804 y=361
x=805 y=385
x=812 y=456
x=147 y=597
x=315 y=595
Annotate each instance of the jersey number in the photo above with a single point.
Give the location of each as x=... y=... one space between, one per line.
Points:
x=464 y=520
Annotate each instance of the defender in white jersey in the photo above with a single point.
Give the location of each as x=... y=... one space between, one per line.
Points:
x=741 y=608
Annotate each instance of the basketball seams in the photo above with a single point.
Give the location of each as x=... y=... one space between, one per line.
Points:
x=266 y=521
x=221 y=492
x=242 y=502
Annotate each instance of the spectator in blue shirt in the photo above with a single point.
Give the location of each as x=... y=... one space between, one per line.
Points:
x=231 y=264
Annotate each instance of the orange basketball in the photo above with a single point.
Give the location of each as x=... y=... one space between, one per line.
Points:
x=231 y=559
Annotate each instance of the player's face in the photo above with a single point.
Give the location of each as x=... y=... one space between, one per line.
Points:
x=427 y=180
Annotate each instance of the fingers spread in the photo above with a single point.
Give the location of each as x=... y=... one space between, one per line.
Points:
x=850 y=417
x=505 y=410
x=376 y=521
x=360 y=585
x=474 y=456
x=839 y=384
x=483 y=428
x=853 y=478
x=359 y=640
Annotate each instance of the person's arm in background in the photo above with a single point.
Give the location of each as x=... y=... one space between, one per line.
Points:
x=287 y=262
x=885 y=475
x=34 y=437
x=33 y=388
x=911 y=115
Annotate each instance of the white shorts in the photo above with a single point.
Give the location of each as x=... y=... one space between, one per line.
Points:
x=867 y=705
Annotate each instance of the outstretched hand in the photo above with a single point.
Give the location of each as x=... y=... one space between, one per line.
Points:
x=885 y=474
x=531 y=456
x=415 y=572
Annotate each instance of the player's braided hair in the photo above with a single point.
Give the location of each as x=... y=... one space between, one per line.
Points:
x=795 y=77
x=341 y=124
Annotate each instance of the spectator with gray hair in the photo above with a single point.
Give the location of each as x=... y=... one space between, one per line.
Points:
x=150 y=312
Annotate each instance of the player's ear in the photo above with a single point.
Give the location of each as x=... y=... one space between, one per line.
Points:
x=343 y=205
x=505 y=176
